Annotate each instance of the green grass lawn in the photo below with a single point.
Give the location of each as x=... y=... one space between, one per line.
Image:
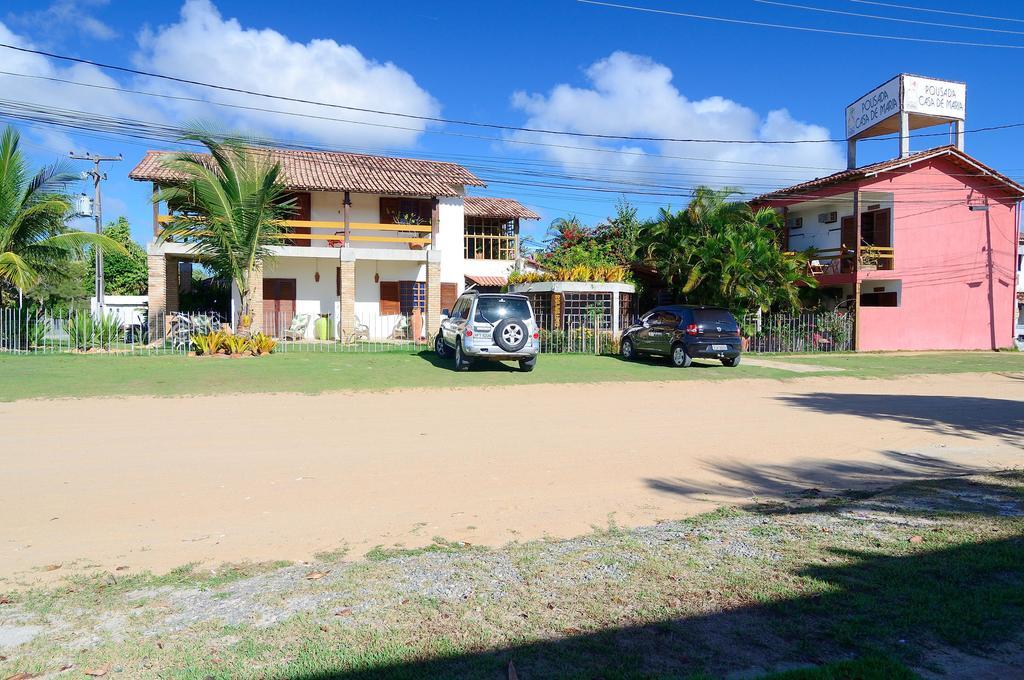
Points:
x=57 y=375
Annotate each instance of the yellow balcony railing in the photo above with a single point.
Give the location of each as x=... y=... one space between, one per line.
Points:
x=333 y=233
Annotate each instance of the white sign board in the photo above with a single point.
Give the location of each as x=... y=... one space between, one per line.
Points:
x=913 y=94
x=932 y=97
x=874 y=107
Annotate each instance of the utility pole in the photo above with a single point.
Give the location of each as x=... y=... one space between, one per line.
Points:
x=97 y=177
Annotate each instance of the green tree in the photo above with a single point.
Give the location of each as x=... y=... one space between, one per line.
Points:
x=619 y=235
x=35 y=240
x=229 y=207
x=123 y=274
x=67 y=291
x=722 y=252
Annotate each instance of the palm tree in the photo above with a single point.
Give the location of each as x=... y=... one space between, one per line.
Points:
x=721 y=252
x=229 y=207
x=35 y=241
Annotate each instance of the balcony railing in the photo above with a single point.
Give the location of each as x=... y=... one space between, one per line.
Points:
x=333 y=234
x=876 y=257
x=842 y=260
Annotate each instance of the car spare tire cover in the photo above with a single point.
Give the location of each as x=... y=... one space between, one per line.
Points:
x=511 y=335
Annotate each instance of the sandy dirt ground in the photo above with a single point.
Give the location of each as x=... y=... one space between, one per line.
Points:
x=151 y=483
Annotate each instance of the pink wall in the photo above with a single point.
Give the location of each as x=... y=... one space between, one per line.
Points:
x=942 y=257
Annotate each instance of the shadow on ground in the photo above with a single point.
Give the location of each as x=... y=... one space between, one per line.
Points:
x=483 y=366
x=808 y=477
x=964 y=416
x=969 y=597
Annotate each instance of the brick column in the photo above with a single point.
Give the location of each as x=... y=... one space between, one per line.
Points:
x=433 y=294
x=157 y=291
x=256 y=299
x=347 y=284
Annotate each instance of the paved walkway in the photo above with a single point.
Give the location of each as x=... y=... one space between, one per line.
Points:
x=786 y=366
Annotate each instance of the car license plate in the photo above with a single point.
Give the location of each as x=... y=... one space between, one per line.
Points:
x=719 y=348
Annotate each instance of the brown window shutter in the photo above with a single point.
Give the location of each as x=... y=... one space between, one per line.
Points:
x=390 y=207
x=449 y=294
x=337 y=281
x=390 y=301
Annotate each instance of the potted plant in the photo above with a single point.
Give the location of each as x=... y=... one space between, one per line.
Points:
x=410 y=218
x=868 y=259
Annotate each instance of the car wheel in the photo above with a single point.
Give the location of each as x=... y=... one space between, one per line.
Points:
x=461 y=362
x=439 y=346
x=627 y=350
x=679 y=357
x=527 y=365
x=511 y=334
x=734 y=361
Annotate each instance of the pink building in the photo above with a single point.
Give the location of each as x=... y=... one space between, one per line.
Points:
x=922 y=249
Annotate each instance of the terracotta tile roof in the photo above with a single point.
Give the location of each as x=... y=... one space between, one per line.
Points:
x=487 y=280
x=504 y=208
x=951 y=152
x=337 y=171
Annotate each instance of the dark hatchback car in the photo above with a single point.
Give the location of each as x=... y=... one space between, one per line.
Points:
x=683 y=333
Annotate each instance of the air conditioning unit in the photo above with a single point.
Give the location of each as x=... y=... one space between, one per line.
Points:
x=828 y=217
x=794 y=223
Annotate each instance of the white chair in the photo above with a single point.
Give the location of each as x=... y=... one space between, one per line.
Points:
x=360 y=332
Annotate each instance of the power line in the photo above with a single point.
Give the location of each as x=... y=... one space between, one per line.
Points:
x=937 y=11
x=808 y=29
x=380 y=112
x=148 y=130
x=511 y=128
x=885 y=18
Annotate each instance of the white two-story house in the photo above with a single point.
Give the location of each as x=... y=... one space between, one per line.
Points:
x=374 y=241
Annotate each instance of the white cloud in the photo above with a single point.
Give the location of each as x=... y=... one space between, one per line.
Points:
x=63 y=19
x=35 y=90
x=633 y=95
x=223 y=51
x=204 y=45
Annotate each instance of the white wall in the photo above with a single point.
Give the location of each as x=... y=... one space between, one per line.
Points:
x=489 y=267
x=314 y=298
x=368 y=289
x=814 y=234
x=450 y=241
x=824 y=236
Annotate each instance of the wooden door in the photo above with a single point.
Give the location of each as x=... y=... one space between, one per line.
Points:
x=278 y=305
x=449 y=294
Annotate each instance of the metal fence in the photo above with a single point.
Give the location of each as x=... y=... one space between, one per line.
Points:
x=577 y=334
x=139 y=332
x=799 y=333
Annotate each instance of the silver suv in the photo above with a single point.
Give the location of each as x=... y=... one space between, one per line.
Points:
x=494 y=326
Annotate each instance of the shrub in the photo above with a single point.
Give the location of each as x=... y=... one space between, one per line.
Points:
x=209 y=343
x=236 y=344
x=87 y=330
x=263 y=344
x=578 y=273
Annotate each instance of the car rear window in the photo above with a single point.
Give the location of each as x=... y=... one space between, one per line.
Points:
x=494 y=309
x=713 y=317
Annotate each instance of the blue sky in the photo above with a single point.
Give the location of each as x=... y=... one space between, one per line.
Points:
x=556 y=64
